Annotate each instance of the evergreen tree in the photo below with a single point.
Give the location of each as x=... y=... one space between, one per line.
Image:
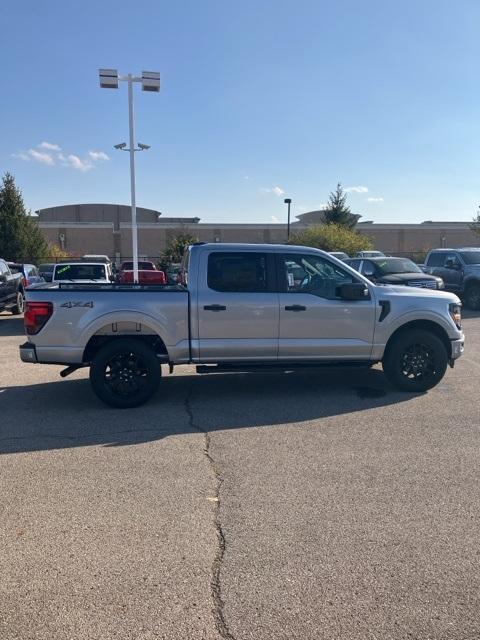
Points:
x=337 y=211
x=176 y=248
x=475 y=225
x=20 y=238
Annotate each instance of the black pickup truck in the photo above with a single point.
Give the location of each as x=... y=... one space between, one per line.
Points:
x=11 y=290
x=460 y=271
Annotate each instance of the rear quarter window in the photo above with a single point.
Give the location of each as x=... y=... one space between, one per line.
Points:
x=436 y=259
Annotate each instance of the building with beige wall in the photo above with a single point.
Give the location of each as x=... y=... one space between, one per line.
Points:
x=106 y=229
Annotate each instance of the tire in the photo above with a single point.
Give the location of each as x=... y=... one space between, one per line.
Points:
x=415 y=360
x=20 y=304
x=472 y=297
x=125 y=373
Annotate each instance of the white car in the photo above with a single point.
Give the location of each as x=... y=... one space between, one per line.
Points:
x=82 y=272
x=370 y=254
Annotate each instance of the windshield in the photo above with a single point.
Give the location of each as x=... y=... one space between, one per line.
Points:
x=471 y=257
x=397 y=265
x=80 y=272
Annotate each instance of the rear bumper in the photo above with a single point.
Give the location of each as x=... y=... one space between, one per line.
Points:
x=28 y=352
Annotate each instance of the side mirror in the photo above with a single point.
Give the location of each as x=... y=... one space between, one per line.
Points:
x=3 y=278
x=353 y=291
x=451 y=264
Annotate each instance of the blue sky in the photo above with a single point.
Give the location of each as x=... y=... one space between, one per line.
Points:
x=260 y=100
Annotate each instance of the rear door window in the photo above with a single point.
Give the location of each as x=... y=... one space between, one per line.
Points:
x=241 y=272
x=436 y=259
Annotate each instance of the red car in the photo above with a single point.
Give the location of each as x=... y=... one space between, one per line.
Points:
x=147 y=273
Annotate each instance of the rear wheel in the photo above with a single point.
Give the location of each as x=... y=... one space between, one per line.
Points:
x=125 y=373
x=472 y=297
x=19 y=305
x=415 y=360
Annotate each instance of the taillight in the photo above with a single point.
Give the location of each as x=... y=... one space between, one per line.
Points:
x=36 y=315
x=25 y=282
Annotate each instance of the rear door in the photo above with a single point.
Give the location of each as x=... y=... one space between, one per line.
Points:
x=237 y=307
x=315 y=324
x=7 y=284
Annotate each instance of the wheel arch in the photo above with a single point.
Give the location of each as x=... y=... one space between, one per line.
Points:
x=99 y=340
x=425 y=325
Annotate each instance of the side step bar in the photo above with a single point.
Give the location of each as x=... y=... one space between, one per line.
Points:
x=277 y=366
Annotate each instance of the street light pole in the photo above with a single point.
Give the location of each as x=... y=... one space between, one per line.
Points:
x=132 y=180
x=150 y=82
x=288 y=201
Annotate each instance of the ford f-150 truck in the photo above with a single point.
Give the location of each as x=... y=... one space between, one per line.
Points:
x=243 y=307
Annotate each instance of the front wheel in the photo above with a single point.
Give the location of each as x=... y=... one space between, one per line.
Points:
x=415 y=360
x=19 y=305
x=472 y=297
x=125 y=373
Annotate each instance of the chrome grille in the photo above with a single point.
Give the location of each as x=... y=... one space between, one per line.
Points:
x=425 y=284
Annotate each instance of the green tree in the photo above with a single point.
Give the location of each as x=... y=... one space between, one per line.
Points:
x=337 y=211
x=475 y=225
x=176 y=248
x=20 y=237
x=333 y=237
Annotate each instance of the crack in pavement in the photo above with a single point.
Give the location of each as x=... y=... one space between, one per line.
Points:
x=218 y=603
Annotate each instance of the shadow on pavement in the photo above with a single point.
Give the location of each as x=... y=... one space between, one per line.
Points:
x=67 y=414
x=11 y=325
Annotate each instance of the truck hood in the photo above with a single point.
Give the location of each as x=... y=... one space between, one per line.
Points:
x=394 y=278
x=391 y=291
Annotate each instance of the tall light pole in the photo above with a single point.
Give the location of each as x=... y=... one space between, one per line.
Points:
x=288 y=201
x=150 y=80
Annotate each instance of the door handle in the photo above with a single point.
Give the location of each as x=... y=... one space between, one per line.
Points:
x=214 y=307
x=296 y=307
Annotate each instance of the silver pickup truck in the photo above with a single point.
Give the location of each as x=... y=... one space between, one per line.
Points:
x=241 y=307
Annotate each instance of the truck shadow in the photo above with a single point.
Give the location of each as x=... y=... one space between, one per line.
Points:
x=11 y=325
x=66 y=413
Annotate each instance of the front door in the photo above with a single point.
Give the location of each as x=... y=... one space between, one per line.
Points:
x=315 y=324
x=237 y=307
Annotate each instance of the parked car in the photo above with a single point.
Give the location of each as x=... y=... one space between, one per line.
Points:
x=46 y=270
x=395 y=271
x=369 y=254
x=96 y=258
x=340 y=255
x=82 y=272
x=460 y=271
x=147 y=273
x=241 y=311
x=30 y=273
x=145 y=276
x=11 y=289
x=173 y=273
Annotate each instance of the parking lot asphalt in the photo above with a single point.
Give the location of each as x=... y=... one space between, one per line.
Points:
x=302 y=505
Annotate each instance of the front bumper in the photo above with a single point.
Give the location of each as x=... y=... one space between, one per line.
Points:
x=457 y=348
x=28 y=352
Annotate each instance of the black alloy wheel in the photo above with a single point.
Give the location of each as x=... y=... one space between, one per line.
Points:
x=415 y=360
x=125 y=373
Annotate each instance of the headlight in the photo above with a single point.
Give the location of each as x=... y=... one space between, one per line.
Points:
x=456 y=314
x=441 y=284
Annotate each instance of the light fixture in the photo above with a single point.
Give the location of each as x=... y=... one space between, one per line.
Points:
x=120 y=145
x=143 y=147
x=150 y=81
x=108 y=78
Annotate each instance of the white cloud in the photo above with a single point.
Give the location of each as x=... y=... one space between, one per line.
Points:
x=246 y=177
x=358 y=189
x=275 y=220
x=98 y=155
x=43 y=158
x=21 y=156
x=374 y=199
x=50 y=146
x=79 y=164
x=278 y=191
